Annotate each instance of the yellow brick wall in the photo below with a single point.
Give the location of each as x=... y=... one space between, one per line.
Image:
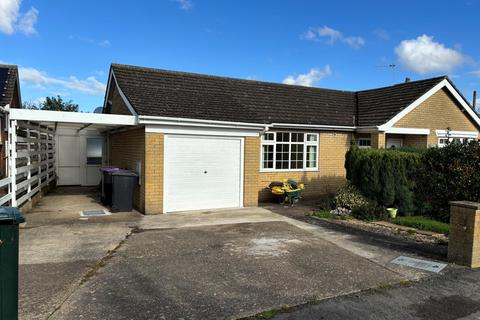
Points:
x=415 y=141
x=464 y=237
x=331 y=173
x=378 y=140
x=154 y=146
x=126 y=148
x=251 y=171
x=440 y=111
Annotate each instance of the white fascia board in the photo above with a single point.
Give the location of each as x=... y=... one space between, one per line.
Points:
x=312 y=126
x=419 y=131
x=72 y=117
x=124 y=97
x=456 y=134
x=202 y=130
x=442 y=84
x=107 y=93
x=166 y=121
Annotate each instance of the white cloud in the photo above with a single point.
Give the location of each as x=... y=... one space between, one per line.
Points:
x=40 y=79
x=309 y=79
x=11 y=20
x=9 y=11
x=330 y=36
x=424 y=55
x=476 y=73
x=102 y=43
x=382 y=34
x=28 y=21
x=185 y=4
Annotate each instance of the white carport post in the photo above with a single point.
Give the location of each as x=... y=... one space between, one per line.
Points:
x=12 y=161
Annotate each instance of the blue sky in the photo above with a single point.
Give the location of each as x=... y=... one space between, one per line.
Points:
x=66 y=47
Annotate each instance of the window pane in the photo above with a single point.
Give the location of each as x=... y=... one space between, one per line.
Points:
x=283 y=136
x=311 y=156
x=297 y=137
x=296 y=160
x=267 y=156
x=94 y=150
x=282 y=155
x=269 y=136
x=311 y=137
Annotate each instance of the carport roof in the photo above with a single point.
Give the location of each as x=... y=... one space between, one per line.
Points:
x=73 y=119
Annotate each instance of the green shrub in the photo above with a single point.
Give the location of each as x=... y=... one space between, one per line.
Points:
x=447 y=174
x=385 y=176
x=422 y=223
x=370 y=212
x=348 y=196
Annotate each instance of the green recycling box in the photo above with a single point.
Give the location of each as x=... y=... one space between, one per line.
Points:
x=10 y=218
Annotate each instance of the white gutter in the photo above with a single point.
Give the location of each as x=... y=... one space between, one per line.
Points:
x=313 y=126
x=154 y=120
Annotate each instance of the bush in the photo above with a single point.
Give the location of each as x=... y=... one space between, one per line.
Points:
x=370 y=212
x=447 y=174
x=385 y=176
x=348 y=196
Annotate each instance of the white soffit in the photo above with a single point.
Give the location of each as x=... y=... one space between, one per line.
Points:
x=418 y=131
x=456 y=134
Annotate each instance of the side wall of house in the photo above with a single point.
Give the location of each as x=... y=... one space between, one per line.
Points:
x=439 y=112
x=126 y=150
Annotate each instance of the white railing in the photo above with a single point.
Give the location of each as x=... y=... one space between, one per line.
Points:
x=31 y=161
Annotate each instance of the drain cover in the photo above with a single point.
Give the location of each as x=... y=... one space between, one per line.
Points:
x=94 y=213
x=426 y=265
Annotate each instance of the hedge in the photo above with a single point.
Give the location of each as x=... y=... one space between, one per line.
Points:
x=385 y=176
x=423 y=182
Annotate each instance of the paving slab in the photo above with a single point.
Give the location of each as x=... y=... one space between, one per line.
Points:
x=220 y=271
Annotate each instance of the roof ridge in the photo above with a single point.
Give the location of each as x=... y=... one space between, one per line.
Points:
x=225 y=78
x=405 y=83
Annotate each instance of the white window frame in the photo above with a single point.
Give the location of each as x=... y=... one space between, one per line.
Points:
x=305 y=144
x=462 y=140
x=364 y=139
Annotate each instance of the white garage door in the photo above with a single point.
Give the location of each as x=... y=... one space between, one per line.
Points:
x=202 y=172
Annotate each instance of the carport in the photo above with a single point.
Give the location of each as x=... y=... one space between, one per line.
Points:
x=43 y=146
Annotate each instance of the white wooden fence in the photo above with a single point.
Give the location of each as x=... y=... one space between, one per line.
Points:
x=30 y=154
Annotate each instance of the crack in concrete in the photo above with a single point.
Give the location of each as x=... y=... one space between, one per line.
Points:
x=93 y=271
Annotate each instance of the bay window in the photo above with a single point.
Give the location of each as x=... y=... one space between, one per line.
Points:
x=289 y=151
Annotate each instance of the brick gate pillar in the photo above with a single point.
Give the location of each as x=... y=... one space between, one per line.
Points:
x=464 y=237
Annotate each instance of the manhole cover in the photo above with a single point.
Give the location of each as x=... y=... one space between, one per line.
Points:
x=94 y=213
x=426 y=265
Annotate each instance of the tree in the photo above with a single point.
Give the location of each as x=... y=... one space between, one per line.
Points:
x=53 y=104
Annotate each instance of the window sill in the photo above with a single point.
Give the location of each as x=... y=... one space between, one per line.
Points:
x=288 y=170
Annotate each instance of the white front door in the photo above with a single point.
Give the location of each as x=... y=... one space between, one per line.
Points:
x=394 y=143
x=202 y=172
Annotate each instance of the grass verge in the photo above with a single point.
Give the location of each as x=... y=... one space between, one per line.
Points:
x=422 y=223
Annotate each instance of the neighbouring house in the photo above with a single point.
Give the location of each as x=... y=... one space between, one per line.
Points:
x=203 y=142
x=9 y=98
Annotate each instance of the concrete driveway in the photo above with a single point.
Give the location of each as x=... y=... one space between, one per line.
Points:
x=201 y=265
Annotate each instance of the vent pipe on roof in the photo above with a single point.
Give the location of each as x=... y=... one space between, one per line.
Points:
x=474 y=102
x=407 y=79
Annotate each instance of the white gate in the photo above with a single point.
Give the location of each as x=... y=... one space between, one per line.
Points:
x=30 y=154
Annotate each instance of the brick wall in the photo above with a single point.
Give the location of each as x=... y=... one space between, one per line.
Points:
x=126 y=148
x=154 y=143
x=378 y=140
x=440 y=111
x=251 y=171
x=331 y=173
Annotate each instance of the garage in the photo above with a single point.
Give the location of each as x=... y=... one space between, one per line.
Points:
x=202 y=172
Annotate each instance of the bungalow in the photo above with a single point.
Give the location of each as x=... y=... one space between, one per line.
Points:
x=203 y=142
